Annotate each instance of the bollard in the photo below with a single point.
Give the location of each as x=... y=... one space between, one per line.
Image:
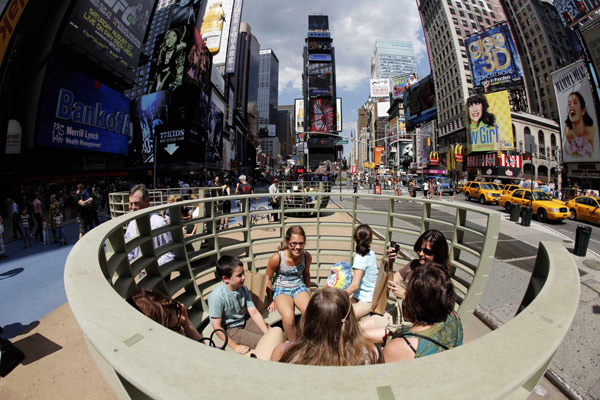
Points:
x=515 y=210
x=526 y=213
x=582 y=240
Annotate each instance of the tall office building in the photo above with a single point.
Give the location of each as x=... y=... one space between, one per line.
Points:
x=285 y=129
x=544 y=47
x=392 y=58
x=446 y=24
x=268 y=90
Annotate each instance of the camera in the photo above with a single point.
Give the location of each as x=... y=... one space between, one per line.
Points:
x=395 y=245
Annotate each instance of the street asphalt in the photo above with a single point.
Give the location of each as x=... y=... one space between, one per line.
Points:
x=31 y=286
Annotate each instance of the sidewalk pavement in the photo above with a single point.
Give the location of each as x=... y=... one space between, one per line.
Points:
x=59 y=365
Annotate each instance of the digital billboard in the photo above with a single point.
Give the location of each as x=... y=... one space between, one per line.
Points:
x=299 y=115
x=571 y=11
x=80 y=113
x=424 y=138
x=319 y=57
x=320 y=84
x=577 y=113
x=214 y=144
x=215 y=28
x=321 y=115
x=10 y=18
x=494 y=60
x=419 y=102
x=318 y=23
x=401 y=83
x=380 y=87
x=377 y=154
x=489 y=124
x=319 y=46
x=111 y=30
x=184 y=13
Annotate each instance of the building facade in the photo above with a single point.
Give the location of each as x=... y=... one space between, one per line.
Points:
x=268 y=89
x=392 y=58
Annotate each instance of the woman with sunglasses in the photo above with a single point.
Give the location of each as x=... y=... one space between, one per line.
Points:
x=291 y=288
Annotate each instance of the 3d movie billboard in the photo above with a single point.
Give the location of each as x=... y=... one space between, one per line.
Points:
x=494 y=60
x=577 y=113
x=401 y=83
x=111 y=30
x=80 y=113
x=181 y=57
x=322 y=115
x=489 y=124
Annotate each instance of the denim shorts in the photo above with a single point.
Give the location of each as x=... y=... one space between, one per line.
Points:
x=292 y=292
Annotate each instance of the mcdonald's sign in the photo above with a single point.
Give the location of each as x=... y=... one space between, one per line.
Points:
x=434 y=158
x=459 y=153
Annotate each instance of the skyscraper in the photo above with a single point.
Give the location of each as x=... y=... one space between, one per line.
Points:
x=544 y=47
x=268 y=89
x=392 y=58
x=446 y=24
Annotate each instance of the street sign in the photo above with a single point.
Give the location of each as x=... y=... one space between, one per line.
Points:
x=345 y=141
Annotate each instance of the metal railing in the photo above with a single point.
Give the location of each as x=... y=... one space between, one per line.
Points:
x=139 y=358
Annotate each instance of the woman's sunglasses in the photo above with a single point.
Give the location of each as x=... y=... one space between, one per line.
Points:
x=426 y=251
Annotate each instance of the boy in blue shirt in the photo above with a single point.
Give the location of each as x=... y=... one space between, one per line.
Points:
x=230 y=307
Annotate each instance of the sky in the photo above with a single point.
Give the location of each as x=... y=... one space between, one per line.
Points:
x=282 y=26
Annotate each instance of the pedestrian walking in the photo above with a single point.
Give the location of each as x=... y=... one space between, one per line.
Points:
x=26 y=223
x=451 y=191
x=37 y=215
x=58 y=225
x=425 y=189
x=274 y=200
x=16 y=220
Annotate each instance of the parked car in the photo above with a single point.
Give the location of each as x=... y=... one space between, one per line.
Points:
x=543 y=205
x=585 y=208
x=482 y=191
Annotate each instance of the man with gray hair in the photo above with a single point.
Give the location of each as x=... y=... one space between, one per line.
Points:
x=139 y=198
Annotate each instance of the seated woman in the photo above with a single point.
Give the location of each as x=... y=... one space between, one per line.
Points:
x=364 y=272
x=430 y=246
x=173 y=315
x=329 y=334
x=429 y=305
x=291 y=288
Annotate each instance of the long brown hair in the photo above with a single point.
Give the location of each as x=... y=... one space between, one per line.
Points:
x=154 y=305
x=329 y=333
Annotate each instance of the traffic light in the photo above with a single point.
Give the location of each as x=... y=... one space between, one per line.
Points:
x=499 y=153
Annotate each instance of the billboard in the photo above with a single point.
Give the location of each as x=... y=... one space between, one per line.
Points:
x=494 y=60
x=10 y=18
x=424 y=138
x=215 y=28
x=299 y=115
x=591 y=36
x=571 y=11
x=321 y=115
x=577 y=113
x=338 y=116
x=234 y=30
x=181 y=57
x=380 y=87
x=419 y=102
x=489 y=124
x=319 y=46
x=318 y=23
x=80 y=113
x=319 y=57
x=111 y=30
x=320 y=84
x=401 y=83
x=377 y=152
x=184 y=13
x=214 y=142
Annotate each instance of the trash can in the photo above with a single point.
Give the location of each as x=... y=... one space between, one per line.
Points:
x=377 y=188
x=582 y=239
x=515 y=210
x=526 y=213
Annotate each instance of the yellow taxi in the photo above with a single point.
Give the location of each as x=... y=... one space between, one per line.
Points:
x=543 y=206
x=461 y=187
x=482 y=191
x=506 y=192
x=585 y=208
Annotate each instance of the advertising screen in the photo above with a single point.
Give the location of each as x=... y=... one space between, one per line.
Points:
x=318 y=23
x=401 y=83
x=181 y=56
x=320 y=84
x=299 y=115
x=380 y=87
x=579 y=124
x=111 y=30
x=322 y=115
x=80 y=113
x=424 y=137
x=184 y=13
x=377 y=152
x=319 y=57
x=494 y=60
x=215 y=28
x=419 y=102
x=489 y=124
x=234 y=30
x=319 y=46
x=571 y=11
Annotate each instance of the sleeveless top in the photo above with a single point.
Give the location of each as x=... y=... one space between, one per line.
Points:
x=449 y=333
x=289 y=276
